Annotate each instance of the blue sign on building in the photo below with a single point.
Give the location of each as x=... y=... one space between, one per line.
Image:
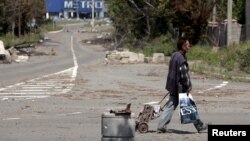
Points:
x=73 y=6
x=84 y=6
x=54 y=6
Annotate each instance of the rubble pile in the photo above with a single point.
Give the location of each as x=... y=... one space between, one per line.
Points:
x=128 y=57
x=21 y=53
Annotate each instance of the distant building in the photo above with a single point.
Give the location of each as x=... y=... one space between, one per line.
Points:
x=75 y=8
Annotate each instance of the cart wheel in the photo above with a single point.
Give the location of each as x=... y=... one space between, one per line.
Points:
x=136 y=126
x=143 y=127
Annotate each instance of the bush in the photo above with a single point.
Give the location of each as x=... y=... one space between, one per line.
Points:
x=52 y=26
x=229 y=57
x=197 y=53
x=234 y=57
x=245 y=61
x=204 y=53
x=9 y=41
x=163 y=44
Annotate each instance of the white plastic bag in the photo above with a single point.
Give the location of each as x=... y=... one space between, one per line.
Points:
x=188 y=109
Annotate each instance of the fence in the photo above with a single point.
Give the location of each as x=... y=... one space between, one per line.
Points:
x=217 y=33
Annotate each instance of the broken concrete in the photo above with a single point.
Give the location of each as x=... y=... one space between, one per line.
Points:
x=22 y=53
x=2 y=49
x=128 y=57
x=158 y=58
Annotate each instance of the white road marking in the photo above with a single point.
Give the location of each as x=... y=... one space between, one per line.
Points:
x=69 y=114
x=223 y=84
x=66 y=114
x=74 y=55
x=11 y=118
x=25 y=96
x=42 y=87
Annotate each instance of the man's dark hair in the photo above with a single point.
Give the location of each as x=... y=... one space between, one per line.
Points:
x=180 y=42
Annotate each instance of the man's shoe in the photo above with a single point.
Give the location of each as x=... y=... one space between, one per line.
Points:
x=201 y=128
x=161 y=130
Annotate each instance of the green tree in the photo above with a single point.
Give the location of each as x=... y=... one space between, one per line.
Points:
x=17 y=15
x=148 y=19
x=190 y=17
x=139 y=20
x=238 y=10
x=3 y=22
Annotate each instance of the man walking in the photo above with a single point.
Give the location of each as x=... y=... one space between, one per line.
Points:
x=178 y=81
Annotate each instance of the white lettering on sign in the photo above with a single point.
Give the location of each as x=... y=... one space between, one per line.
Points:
x=68 y=4
x=84 y=4
x=89 y=4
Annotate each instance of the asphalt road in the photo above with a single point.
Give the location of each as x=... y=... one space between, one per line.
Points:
x=80 y=87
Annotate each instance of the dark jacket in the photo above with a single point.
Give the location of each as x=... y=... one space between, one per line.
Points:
x=173 y=78
x=185 y=85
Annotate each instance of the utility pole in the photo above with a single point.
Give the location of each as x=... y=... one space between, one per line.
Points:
x=77 y=7
x=93 y=15
x=214 y=13
x=34 y=19
x=247 y=12
x=19 y=18
x=229 y=22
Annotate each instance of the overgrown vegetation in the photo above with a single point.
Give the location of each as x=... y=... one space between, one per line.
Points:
x=190 y=17
x=49 y=25
x=23 y=21
x=163 y=44
x=25 y=39
x=21 y=16
x=144 y=20
x=138 y=21
x=232 y=59
x=238 y=10
x=20 y=21
x=155 y=25
x=245 y=60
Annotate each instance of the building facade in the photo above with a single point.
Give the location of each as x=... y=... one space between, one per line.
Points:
x=75 y=8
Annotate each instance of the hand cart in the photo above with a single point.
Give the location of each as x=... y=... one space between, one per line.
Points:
x=149 y=112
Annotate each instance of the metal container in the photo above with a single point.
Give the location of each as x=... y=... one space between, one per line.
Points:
x=119 y=127
x=117 y=139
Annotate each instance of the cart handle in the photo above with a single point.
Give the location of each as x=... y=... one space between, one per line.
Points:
x=164 y=97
